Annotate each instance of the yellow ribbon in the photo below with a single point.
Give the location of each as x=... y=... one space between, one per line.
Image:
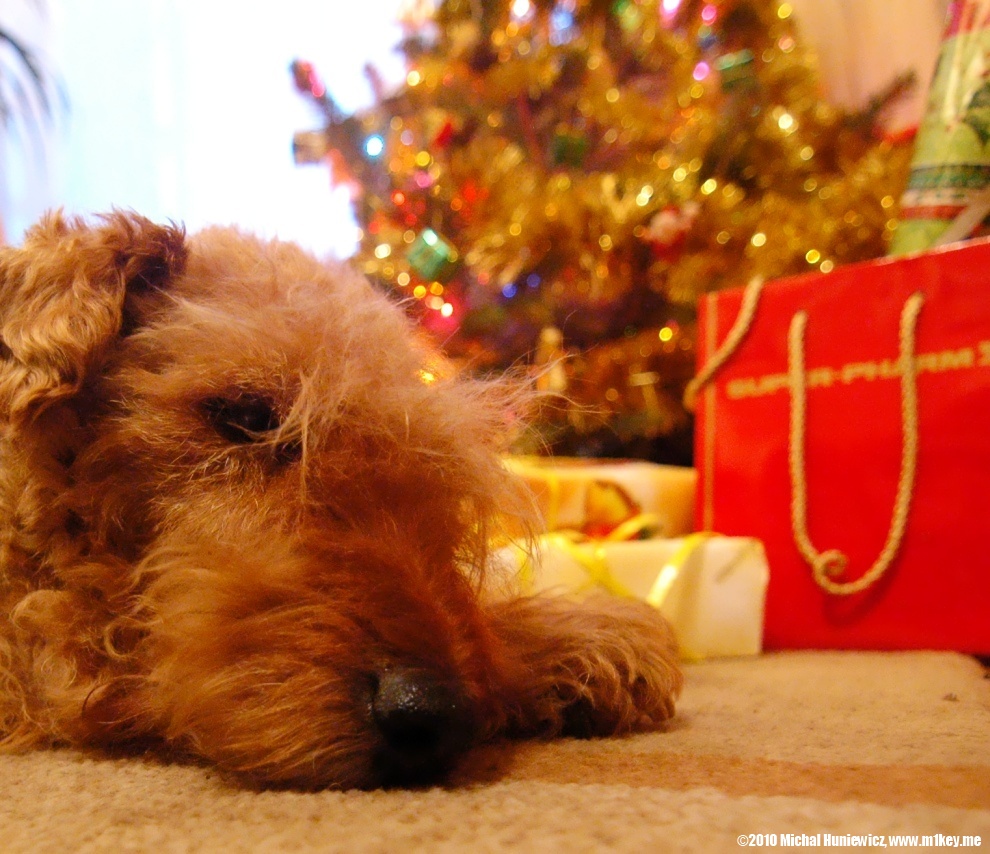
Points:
x=673 y=568
x=642 y=526
x=591 y=556
x=588 y=554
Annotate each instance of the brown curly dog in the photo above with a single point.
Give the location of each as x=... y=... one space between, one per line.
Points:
x=236 y=522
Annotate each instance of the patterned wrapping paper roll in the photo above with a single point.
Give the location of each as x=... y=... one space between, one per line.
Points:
x=948 y=192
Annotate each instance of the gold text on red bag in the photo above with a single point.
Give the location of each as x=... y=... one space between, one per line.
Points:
x=938 y=362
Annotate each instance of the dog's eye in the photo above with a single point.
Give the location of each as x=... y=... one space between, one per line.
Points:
x=243 y=419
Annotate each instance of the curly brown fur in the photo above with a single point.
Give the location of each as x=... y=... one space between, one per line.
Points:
x=236 y=522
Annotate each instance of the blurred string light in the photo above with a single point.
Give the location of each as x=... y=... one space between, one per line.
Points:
x=562 y=25
x=374 y=145
x=522 y=10
x=669 y=9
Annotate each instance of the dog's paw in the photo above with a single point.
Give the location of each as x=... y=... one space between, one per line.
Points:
x=619 y=672
x=595 y=668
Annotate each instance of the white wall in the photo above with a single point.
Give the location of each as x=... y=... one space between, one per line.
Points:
x=863 y=44
x=185 y=110
x=25 y=139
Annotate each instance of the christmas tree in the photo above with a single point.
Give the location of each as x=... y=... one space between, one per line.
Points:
x=567 y=177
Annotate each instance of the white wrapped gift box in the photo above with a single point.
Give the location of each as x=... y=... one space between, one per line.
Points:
x=710 y=588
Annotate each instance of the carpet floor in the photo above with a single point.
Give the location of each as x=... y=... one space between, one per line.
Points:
x=778 y=751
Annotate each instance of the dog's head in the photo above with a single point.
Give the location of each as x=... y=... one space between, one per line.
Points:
x=256 y=521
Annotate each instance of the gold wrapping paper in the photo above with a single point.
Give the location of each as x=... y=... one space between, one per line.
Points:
x=594 y=497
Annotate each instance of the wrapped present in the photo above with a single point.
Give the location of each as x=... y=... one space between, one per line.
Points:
x=711 y=589
x=948 y=193
x=844 y=421
x=594 y=497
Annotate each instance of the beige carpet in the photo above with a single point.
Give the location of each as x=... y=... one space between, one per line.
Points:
x=789 y=743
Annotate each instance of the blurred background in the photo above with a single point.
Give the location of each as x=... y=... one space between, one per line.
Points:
x=184 y=109
x=541 y=182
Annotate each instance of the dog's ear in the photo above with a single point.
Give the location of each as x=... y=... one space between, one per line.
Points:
x=62 y=300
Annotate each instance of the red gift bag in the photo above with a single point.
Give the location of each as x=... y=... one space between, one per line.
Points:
x=845 y=421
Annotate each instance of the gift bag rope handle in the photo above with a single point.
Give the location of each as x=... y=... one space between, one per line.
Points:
x=826 y=564
x=739 y=330
x=832 y=562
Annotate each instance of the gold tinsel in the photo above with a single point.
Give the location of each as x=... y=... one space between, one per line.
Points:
x=596 y=166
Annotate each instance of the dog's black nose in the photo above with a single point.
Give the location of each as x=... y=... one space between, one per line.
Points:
x=424 y=723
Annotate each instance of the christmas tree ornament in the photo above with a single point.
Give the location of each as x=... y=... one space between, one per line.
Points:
x=736 y=69
x=432 y=257
x=668 y=229
x=568 y=148
x=445 y=135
